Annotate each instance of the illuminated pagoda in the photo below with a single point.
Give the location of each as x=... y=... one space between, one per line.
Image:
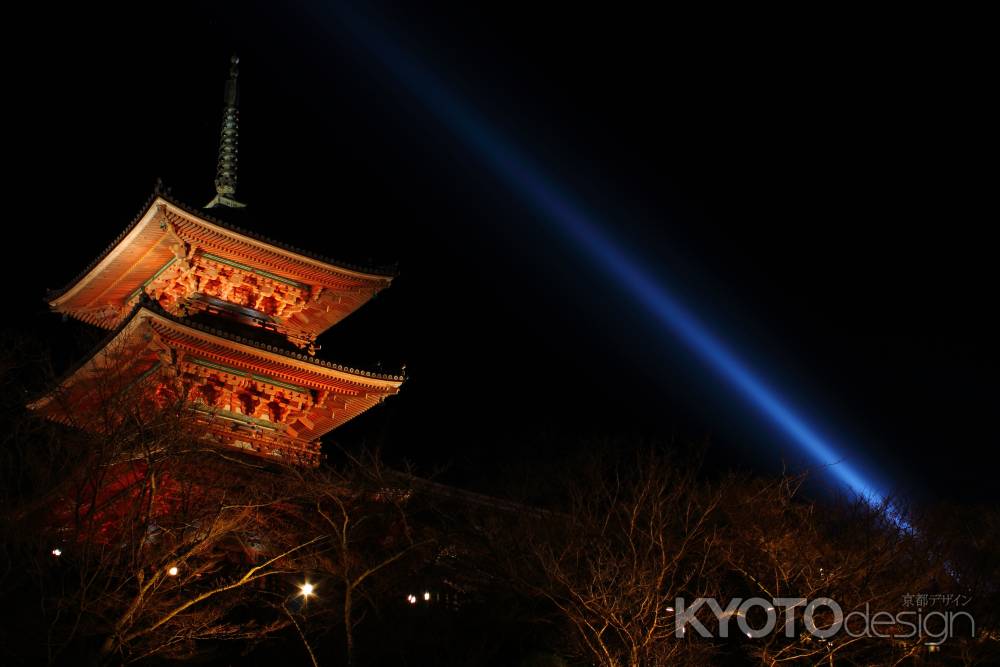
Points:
x=225 y=319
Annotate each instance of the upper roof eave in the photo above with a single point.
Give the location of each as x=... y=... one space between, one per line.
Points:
x=375 y=272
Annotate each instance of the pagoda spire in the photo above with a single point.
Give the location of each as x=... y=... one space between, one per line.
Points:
x=225 y=174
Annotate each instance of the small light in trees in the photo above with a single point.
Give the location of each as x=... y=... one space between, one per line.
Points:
x=57 y=552
x=427 y=595
x=670 y=608
x=307 y=589
x=173 y=571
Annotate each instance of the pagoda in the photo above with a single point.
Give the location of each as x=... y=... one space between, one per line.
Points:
x=224 y=319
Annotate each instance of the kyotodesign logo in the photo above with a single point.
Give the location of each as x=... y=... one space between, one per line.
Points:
x=822 y=618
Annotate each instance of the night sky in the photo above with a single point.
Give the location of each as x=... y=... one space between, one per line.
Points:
x=812 y=185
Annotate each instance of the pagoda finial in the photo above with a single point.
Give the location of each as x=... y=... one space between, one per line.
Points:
x=225 y=174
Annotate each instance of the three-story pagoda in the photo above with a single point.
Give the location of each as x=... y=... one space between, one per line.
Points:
x=224 y=319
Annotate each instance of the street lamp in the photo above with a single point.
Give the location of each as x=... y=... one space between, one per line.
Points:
x=306 y=589
x=173 y=571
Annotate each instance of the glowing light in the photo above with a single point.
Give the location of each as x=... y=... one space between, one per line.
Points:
x=57 y=552
x=306 y=589
x=664 y=309
x=173 y=571
x=411 y=598
x=427 y=595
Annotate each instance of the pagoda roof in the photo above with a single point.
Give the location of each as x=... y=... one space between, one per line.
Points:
x=381 y=271
x=337 y=393
x=279 y=347
x=249 y=337
x=166 y=227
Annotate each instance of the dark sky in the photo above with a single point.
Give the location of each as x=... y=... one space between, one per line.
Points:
x=814 y=185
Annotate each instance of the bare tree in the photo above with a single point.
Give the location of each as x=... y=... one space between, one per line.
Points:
x=629 y=540
x=634 y=536
x=780 y=545
x=366 y=511
x=158 y=538
x=142 y=539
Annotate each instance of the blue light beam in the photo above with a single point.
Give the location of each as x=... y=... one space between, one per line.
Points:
x=526 y=179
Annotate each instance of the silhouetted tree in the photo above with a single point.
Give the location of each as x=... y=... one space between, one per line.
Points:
x=133 y=536
x=633 y=535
